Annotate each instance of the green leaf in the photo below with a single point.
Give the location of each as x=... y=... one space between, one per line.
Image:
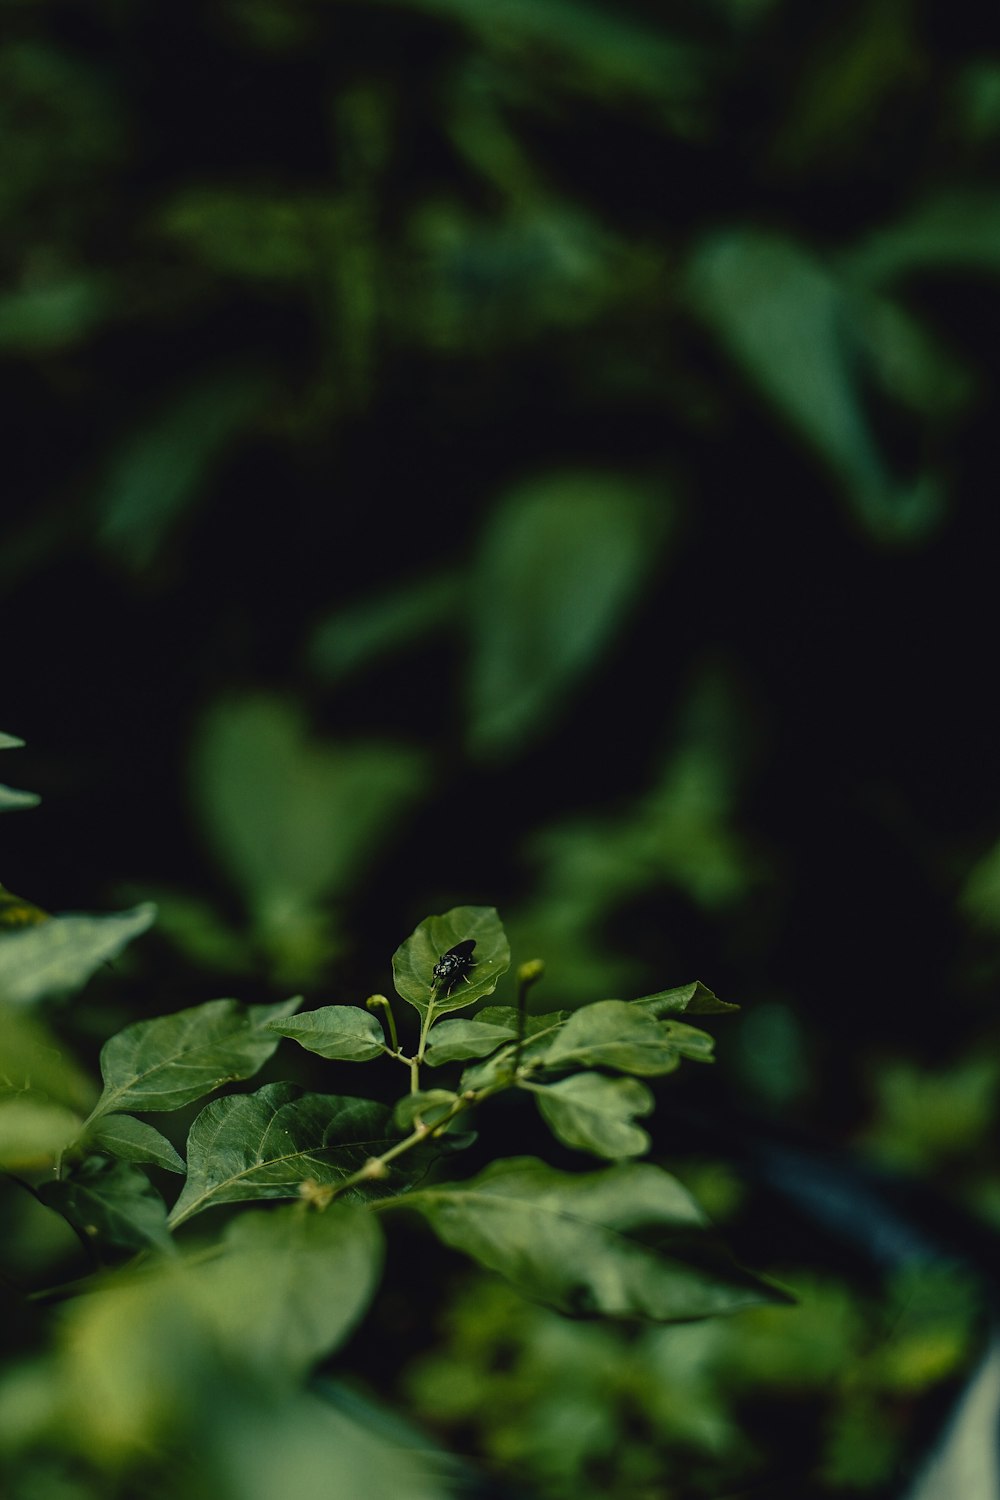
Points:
x=506 y=1016
x=160 y=471
x=623 y=1242
x=561 y=561
x=603 y=51
x=170 y=1061
x=133 y=1140
x=695 y=999
x=359 y=636
x=294 y=821
x=788 y=322
x=307 y=1276
x=413 y=961
x=336 y=1031
x=32 y=1059
x=538 y=1032
x=264 y=1145
x=11 y=800
x=33 y=1131
x=428 y=1107
x=614 y=1034
x=450 y=1040
x=111 y=1202
x=61 y=953
x=593 y=1113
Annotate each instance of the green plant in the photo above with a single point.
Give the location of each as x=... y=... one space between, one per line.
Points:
x=177 y=1345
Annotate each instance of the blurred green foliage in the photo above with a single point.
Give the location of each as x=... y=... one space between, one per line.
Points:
x=535 y=447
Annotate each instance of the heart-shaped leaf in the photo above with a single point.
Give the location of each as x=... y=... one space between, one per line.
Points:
x=414 y=961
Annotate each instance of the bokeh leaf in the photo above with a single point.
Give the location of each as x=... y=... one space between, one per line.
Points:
x=295 y=824
x=560 y=562
x=32 y=1059
x=61 y=953
x=787 y=321
x=264 y=1145
x=169 y=1061
x=12 y=800
x=622 y=1242
x=159 y=473
x=308 y=1278
x=33 y=1131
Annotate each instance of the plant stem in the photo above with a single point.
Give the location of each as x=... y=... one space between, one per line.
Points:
x=376 y=1165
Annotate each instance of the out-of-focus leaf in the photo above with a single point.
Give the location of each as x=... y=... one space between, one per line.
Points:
x=259 y=235
x=264 y=1145
x=952 y=231
x=355 y=638
x=130 y=1139
x=294 y=823
x=33 y=1131
x=786 y=321
x=16 y=912
x=560 y=562
x=494 y=284
x=451 y=1040
x=598 y=48
x=980 y=895
x=930 y=1116
x=53 y=315
x=169 y=1061
x=32 y=1059
x=12 y=800
x=62 y=130
x=414 y=960
x=622 y=1242
x=111 y=1201
x=292 y=1447
x=593 y=1113
x=308 y=1278
x=336 y=1031
x=193 y=925
x=162 y=468
x=61 y=953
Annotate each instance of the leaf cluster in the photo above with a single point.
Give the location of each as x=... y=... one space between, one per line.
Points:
x=281 y=1287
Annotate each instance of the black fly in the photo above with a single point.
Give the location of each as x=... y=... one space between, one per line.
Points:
x=453 y=966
